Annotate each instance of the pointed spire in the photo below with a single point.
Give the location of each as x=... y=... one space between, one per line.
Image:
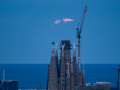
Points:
x=53 y=77
x=72 y=76
x=53 y=53
x=83 y=79
x=71 y=65
x=74 y=66
x=62 y=69
x=56 y=55
x=79 y=73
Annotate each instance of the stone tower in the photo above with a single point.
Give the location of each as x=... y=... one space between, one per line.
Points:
x=83 y=77
x=62 y=69
x=65 y=58
x=74 y=67
x=53 y=77
x=72 y=76
x=68 y=84
x=79 y=73
x=56 y=55
x=67 y=55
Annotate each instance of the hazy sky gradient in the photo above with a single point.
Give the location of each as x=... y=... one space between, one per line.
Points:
x=27 y=29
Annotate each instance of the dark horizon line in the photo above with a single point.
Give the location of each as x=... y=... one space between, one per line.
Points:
x=49 y=63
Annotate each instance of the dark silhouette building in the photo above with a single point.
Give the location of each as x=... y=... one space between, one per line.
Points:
x=118 y=81
x=68 y=79
x=82 y=87
x=62 y=75
x=72 y=76
x=83 y=77
x=53 y=77
x=79 y=73
x=8 y=84
x=75 y=68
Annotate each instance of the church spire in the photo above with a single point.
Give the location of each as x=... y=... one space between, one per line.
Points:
x=56 y=55
x=68 y=78
x=79 y=73
x=83 y=79
x=74 y=66
x=53 y=77
x=72 y=76
x=62 y=69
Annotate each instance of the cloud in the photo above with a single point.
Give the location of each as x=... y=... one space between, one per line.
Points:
x=67 y=20
x=58 y=21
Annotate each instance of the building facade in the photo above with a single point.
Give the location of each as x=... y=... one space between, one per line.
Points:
x=9 y=85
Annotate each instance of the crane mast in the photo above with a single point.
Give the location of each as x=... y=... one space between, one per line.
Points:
x=78 y=36
x=79 y=31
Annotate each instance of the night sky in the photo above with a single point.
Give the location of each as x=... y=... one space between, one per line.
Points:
x=28 y=28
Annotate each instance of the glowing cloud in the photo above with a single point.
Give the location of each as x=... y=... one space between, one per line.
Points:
x=67 y=20
x=58 y=21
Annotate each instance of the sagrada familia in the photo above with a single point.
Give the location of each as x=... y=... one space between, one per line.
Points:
x=62 y=74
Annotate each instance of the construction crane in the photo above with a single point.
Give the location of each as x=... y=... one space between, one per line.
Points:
x=79 y=31
x=38 y=82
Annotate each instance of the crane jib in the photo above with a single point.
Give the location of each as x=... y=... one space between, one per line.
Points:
x=78 y=36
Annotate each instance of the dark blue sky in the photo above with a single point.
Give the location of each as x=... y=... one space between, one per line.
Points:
x=26 y=33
